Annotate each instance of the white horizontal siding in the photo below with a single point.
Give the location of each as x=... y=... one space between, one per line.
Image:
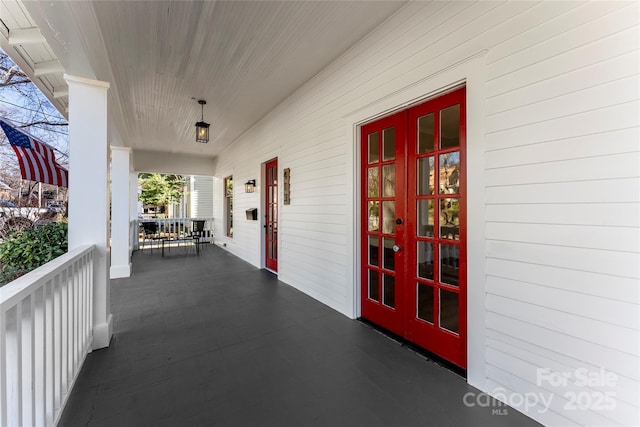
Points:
x=531 y=303
x=556 y=362
x=567 y=34
x=577 y=80
x=576 y=348
x=597 y=97
x=604 y=215
x=556 y=397
x=606 y=119
x=614 y=263
x=615 y=239
x=561 y=181
x=202 y=197
x=579 y=147
x=622 y=190
x=577 y=282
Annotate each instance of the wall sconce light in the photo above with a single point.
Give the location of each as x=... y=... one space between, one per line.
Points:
x=250 y=186
x=202 y=127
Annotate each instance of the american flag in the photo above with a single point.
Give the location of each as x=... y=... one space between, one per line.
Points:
x=37 y=160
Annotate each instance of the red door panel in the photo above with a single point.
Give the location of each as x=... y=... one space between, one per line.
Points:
x=271 y=215
x=383 y=221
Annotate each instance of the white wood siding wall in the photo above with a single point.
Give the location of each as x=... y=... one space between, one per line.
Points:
x=201 y=196
x=561 y=122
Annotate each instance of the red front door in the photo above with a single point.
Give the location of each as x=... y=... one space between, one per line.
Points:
x=413 y=225
x=271 y=215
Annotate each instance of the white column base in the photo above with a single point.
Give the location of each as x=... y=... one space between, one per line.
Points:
x=102 y=333
x=120 y=271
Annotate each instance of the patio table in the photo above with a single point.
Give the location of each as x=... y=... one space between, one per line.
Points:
x=186 y=239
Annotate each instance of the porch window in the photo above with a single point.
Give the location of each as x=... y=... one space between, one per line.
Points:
x=228 y=205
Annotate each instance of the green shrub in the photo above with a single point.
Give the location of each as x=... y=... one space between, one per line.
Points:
x=10 y=274
x=23 y=251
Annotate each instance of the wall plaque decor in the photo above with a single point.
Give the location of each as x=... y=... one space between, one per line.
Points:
x=287 y=187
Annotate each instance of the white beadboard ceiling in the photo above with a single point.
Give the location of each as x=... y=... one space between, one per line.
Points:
x=243 y=57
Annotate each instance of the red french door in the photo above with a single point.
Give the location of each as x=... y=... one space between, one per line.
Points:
x=271 y=215
x=413 y=225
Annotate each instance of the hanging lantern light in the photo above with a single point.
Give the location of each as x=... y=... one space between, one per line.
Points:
x=202 y=127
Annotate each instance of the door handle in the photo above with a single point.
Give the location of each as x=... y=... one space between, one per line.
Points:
x=396 y=248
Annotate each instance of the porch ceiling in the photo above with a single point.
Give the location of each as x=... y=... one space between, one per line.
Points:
x=242 y=57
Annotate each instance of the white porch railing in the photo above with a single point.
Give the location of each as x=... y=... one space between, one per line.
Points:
x=172 y=228
x=46 y=330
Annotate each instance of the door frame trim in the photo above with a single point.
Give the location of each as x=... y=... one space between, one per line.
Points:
x=469 y=72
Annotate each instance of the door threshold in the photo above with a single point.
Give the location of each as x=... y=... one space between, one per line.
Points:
x=425 y=354
x=271 y=271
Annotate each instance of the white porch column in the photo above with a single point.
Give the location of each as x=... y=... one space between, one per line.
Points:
x=88 y=190
x=133 y=208
x=120 y=229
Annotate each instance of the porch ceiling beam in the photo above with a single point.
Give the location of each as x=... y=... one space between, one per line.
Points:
x=47 y=67
x=60 y=92
x=25 y=36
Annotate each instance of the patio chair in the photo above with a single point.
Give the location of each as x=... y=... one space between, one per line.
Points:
x=150 y=234
x=197 y=230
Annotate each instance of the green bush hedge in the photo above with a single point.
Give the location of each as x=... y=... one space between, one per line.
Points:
x=23 y=251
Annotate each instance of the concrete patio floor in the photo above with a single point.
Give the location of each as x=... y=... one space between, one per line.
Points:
x=209 y=340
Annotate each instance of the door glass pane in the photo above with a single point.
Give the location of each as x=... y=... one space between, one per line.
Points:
x=389 y=255
x=389 y=144
x=425 y=302
x=449 y=316
x=373 y=250
x=425 y=260
x=449 y=264
x=373 y=285
x=450 y=219
x=374 y=216
x=425 y=218
x=389 y=297
x=450 y=127
x=373 y=182
x=374 y=147
x=425 y=133
x=425 y=175
x=388 y=217
x=275 y=244
x=450 y=173
x=389 y=181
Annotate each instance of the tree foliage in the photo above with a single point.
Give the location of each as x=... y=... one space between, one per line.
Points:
x=161 y=190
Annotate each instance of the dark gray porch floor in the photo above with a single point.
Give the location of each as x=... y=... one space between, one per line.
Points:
x=210 y=340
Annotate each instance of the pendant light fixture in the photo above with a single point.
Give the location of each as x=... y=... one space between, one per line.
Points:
x=202 y=127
